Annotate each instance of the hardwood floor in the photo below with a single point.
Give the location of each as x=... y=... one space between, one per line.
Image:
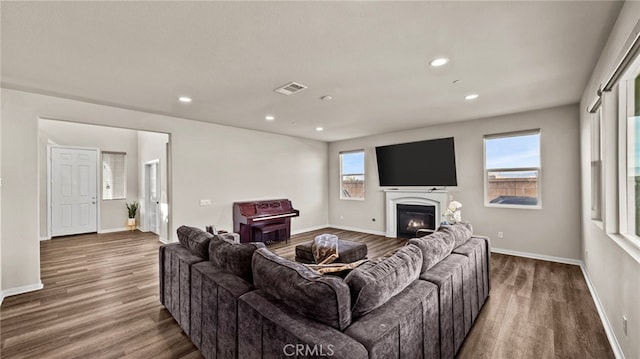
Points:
x=100 y=300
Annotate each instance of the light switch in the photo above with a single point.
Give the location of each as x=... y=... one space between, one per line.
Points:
x=205 y=202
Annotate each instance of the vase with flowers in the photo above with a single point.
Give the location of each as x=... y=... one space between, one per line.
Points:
x=453 y=214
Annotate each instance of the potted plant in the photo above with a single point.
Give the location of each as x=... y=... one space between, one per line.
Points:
x=133 y=209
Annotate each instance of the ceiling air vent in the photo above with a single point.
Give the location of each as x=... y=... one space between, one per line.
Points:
x=290 y=88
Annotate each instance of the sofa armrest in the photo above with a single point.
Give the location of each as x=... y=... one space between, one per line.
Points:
x=268 y=329
x=161 y=260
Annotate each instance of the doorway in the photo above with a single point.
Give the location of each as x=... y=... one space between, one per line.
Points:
x=152 y=190
x=73 y=190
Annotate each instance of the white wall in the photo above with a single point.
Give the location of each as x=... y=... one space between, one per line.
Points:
x=209 y=161
x=613 y=270
x=151 y=147
x=553 y=230
x=113 y=213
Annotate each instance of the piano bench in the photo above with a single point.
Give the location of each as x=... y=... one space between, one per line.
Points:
x=280 y=230
x=348 y=252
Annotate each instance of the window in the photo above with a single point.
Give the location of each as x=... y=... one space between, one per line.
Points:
x=352 y=175
x=630 y=156
x=596 y=165
x=512 y=170
x=114 y=182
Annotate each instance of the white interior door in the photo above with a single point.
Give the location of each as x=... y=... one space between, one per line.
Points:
x=73 y=191
x=153 y=195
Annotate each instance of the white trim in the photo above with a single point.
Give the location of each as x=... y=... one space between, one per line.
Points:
x=354 y=229
x=164 y=241
x=23 y=289
x=537 y=256
x=608 y=329
x=43 y=238
x=1 y=299
x=309 y=229
x=112 y=230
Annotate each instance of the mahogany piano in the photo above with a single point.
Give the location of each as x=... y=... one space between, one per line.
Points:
x=263 y=221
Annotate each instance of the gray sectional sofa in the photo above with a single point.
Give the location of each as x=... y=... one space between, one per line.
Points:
x=243 y=301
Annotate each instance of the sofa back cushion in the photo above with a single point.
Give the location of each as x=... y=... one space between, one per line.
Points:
x=234 y=258
x=195 y=240
x=324 y=299
x=435 y=247
x=460 y=232
x=373 y=283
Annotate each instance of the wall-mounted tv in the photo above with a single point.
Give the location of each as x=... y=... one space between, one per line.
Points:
x=423 y=163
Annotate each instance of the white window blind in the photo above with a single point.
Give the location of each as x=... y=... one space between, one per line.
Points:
x=114 y=182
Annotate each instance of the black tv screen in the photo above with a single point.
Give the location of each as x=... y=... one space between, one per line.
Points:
x=423 y=163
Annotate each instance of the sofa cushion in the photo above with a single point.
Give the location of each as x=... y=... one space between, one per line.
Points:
x=195 y=240
x=234 y=258
x=435 y=247
x=324 y=299
x=373 y=283
x=460 y=232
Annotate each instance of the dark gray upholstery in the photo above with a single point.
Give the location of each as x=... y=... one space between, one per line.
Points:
x=348 y=252
x=460 y=232
x=195 y=240
x=472 y=249
x=233 y=257
x=267 y=328
x=482 y=264
x=447 y=275
x=407 y=326
x=373 y=283
x=177 y=282
x=214 y=310
x=434 y=247
x=323 y=298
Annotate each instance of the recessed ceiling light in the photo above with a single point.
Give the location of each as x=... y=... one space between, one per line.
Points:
x=472 y=96
x=326 y=98
x=319 y=129
x=184 y=99
x=439 y=62
x=269 y=118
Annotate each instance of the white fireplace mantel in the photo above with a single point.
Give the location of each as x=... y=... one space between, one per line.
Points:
x=393 y=197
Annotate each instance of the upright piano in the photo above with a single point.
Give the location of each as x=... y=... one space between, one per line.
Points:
x=263 y=221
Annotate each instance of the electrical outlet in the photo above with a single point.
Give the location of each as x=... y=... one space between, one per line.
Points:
x=500 y=235
x=205 y=202
x=624 y=325
x=373 y=219
x=341 y=217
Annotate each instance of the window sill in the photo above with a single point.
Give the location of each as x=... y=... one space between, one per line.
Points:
x=628 y=244
x=351 y=199
x=512 y=206
x=598 y=223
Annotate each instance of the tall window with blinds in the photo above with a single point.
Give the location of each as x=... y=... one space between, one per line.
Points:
x=114 y=182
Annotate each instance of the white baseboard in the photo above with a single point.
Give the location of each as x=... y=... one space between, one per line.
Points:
x=113 y=230
x=20 y=290
x=44 y=239
x=309 y=229
x=353 y=229
x=608 y=329
x=537 y=256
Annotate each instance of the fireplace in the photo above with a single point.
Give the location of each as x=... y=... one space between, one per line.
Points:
x=414 y=198
x=413 y=217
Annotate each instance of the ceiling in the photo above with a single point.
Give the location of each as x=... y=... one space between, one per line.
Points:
x=371 y=57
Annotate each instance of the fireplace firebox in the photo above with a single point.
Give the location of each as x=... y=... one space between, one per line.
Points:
x=412 y=217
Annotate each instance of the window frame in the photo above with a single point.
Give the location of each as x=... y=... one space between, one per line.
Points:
x=487 y=203
x=625 y=110
x=124 y=175
x=342 y=175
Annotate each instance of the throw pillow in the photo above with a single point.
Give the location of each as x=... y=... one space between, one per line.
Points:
x=375 y=282
x=435 y=247
x=195 y=240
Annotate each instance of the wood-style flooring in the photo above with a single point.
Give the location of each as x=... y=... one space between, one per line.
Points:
x=100 y=300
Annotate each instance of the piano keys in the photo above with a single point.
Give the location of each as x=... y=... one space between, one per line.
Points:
x=263 y=221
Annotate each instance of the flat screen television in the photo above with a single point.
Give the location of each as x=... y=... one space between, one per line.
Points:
x=423 y=163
